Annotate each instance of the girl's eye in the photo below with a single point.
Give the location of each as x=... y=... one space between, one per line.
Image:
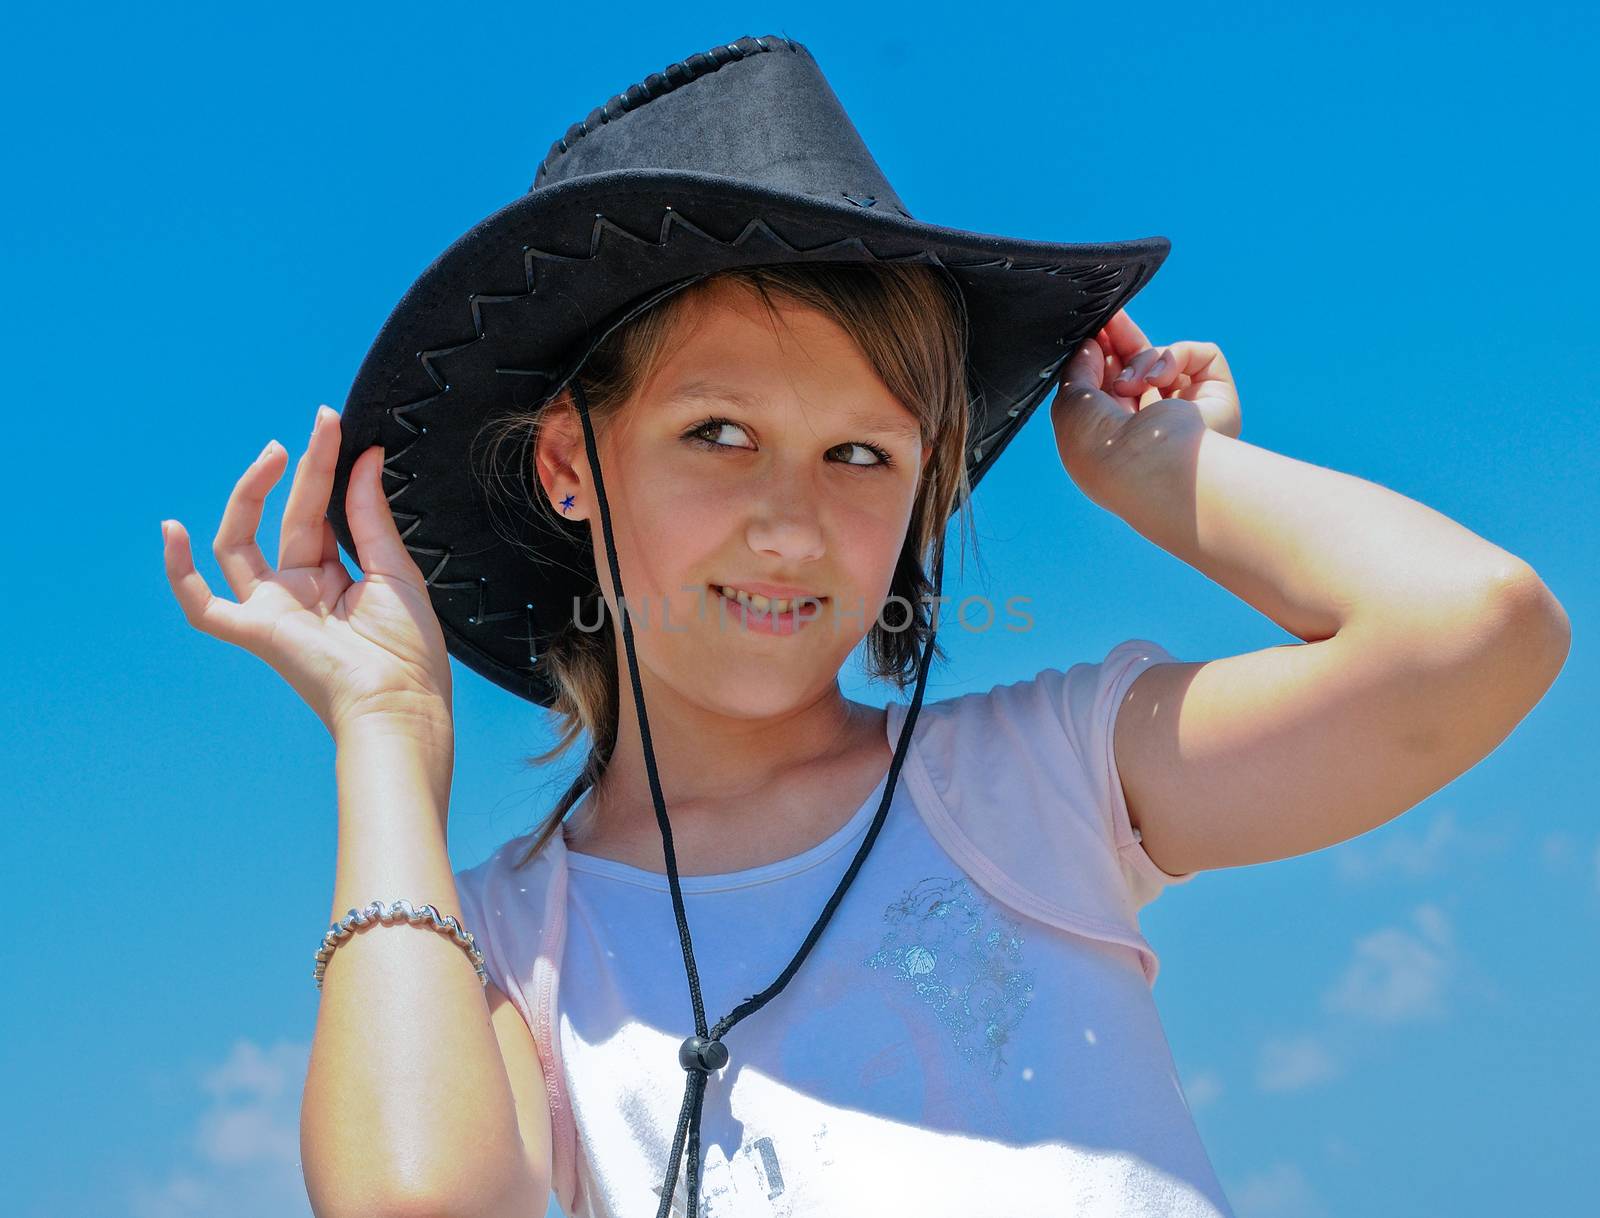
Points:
x=714 y=427
x=880 y=457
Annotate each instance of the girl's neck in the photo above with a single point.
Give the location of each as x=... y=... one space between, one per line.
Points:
x=798 y=778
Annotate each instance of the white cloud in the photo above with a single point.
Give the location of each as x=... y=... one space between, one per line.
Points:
x=265 y=1075
x=1570 y=855
x=1398 y=975
x=1294 y=1062
x=1559 y=850
x=1202 y=1089
x=1338 y=1149
x=1418 y=848
x=255 y=1114
x=252 y=1134
x=243 y=1154
x=1281 y=1191
x=1434 y=924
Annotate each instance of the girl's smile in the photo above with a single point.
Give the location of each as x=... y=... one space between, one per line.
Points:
x=762 y=615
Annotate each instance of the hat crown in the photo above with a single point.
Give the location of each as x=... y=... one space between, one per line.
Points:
x=757 y=109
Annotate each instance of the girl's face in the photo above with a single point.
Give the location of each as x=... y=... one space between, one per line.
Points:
x=757 y=457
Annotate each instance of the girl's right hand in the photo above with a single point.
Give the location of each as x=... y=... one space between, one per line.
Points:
x=355 y=651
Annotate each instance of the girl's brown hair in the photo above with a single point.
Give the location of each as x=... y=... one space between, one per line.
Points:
x=910 y=324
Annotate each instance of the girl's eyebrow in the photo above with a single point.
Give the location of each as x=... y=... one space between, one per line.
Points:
x=872 y=420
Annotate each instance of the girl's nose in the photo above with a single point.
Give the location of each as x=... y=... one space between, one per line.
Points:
x=788 y=538
x=785 y=521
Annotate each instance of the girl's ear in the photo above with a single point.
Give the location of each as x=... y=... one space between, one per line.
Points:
x=559 y=449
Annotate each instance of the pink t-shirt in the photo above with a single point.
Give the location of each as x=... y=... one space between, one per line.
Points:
x=974 y=1033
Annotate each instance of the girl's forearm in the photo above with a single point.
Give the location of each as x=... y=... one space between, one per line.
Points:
x=1312 y=548
x=406 y=1101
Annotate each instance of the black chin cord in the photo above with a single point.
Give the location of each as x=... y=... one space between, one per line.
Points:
x=704 y=1051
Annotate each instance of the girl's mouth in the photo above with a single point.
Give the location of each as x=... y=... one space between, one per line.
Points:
x=765 y=616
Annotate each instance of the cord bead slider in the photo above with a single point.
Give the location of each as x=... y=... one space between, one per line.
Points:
x=699 y=1053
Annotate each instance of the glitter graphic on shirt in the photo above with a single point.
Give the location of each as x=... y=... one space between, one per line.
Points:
x=959 y=954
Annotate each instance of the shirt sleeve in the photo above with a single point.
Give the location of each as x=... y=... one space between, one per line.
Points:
x=1086 y=699
x=469 y=885
x=503 y=920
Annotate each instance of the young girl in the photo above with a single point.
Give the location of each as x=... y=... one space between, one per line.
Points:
x=758 y=464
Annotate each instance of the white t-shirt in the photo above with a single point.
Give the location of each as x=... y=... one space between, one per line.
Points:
x=939 y=1052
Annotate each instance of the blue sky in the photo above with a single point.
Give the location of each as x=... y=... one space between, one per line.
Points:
x=1384 y=216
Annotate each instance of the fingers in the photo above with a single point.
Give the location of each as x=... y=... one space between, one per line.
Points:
x=1120 y=360
x=379 y=549
x=1132 y=357
x=330 y=543
x=237 y=553
x=1082 y=408
x=1194 y=371
x=1087 y=367
x=1184 y=362
x=1125 y=337
x=1205 y=361
x=1142 y=372
x=1209 y=384
x=201 y=609
x=300 y=539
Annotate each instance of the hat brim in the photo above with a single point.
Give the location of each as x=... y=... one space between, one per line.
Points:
x=504 y=316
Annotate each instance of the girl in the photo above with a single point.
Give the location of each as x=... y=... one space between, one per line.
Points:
x=971 y=1028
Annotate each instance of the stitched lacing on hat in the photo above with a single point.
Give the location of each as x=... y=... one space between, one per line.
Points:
x=658 y=83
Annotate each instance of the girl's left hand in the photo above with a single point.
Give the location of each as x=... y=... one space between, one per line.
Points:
x=1192 y=387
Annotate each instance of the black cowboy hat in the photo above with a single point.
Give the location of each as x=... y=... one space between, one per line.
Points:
x=739 y=156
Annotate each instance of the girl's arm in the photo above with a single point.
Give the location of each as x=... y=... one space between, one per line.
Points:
x=1425 y=643
x=408 y=1106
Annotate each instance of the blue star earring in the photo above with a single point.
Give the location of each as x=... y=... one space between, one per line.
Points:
x=566 y=504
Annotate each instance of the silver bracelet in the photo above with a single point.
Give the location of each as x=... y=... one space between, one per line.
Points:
x=376 y=912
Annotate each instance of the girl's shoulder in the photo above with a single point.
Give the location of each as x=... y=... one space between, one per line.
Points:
x=1057 y=721
x=1019 y=782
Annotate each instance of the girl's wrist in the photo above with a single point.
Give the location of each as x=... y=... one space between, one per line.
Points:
x=425 y=726
x=414 y=754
